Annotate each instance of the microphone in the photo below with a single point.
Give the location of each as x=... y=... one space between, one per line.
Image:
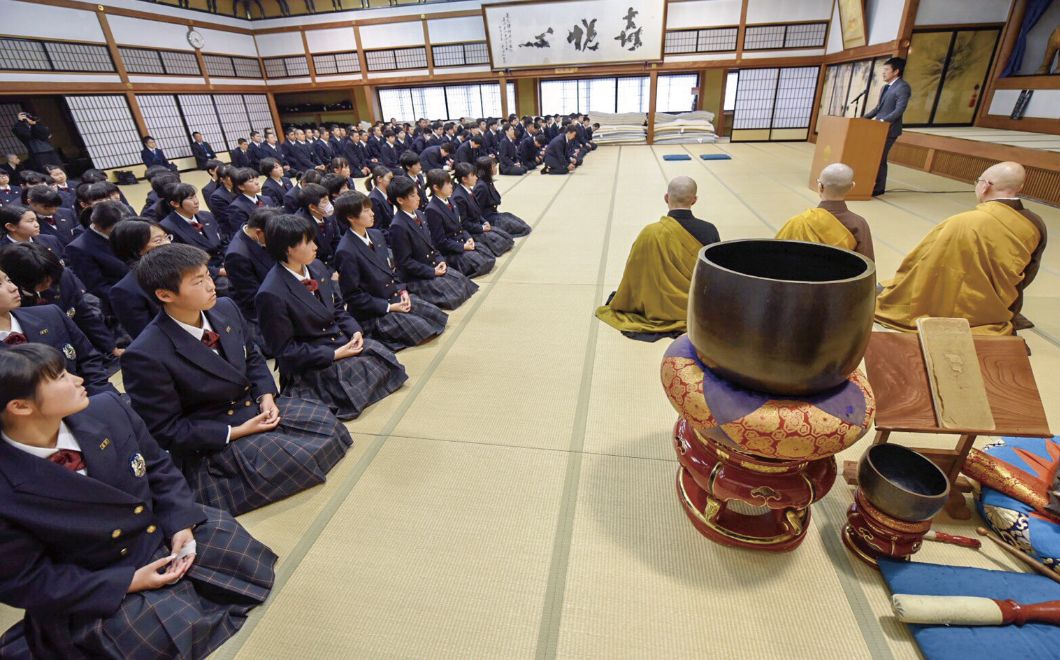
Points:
x=854 y=100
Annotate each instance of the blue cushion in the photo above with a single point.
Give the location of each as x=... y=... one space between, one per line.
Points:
x=715 y=156
x=676 y=157
x=1034 y=640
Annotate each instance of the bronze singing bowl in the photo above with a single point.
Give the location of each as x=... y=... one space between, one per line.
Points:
x=783 y=317
x=902 y=483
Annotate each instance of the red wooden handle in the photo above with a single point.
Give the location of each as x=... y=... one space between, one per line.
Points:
x=1019 y=614
x=965 y=541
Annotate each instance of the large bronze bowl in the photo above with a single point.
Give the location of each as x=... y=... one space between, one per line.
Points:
x=902 y=483
x=783 y=317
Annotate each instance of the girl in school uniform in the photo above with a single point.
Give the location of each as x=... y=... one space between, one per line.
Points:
x=104 y=547
x=489 y=199
x=320 y=349
x=419 y=263
x=131 y=240
x=341 y=166
x=276 y=184
x=497 y=241
x=378 y=184
x=457 y=246
x=371 y=289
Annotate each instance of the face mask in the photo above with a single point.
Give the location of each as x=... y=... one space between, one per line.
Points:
x=326 y=208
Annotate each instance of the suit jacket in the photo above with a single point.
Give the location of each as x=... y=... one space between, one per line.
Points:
x=558 y=153
x=37 y=137
x=61 y=557
x=299 y=156
x=388 y=155
x=68 y=195
x=367 y=278
x=133 y=307
x=51 y=242
x=491 y=140
x=891 y=107
x=487 y=196
x=415 y=255
x=470 y=214
x=239 y=211
x=528 y=152
x=255 y=154
x=266 y=150
x=188 y=395
x=419 y=144
x=372 y=146
x=239 y=158
x=431 y=158
x=156 y=157
x=208 y=239
x=447 y=233
x=207 y=192
x=507 y=154
x=383 y=209
x=247 y=264
x=273 y=191
x=323 y=151
x=203 y=152
x=467 y=152
x=220 y=200
x=300 y=328
x=327 y=235
x=13 y=195
x=353 y=153
x=47 y=324
x=69 y=296
x=91 y=257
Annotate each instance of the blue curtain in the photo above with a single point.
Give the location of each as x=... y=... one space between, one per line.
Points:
x=1035 y=9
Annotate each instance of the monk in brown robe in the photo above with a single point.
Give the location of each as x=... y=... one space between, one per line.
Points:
x=974 y=265
x=831 y=222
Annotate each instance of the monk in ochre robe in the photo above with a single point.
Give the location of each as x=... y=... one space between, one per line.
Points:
x=974 y=265
x=831 y=222
x=652 y=299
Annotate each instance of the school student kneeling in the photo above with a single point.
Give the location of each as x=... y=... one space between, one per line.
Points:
x=104 y=546
x=197 y=379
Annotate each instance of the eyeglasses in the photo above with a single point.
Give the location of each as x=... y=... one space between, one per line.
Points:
x=162 y=240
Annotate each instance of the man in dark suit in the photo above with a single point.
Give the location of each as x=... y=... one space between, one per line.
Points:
x=92 y=258
x=240 y=156
x=37 y=138
x=508 y=154
x=271 y=149
x=893 y=101
x=254 y=149
x=201 y=150
x=435 y=157
x=323 y=148
x=152 y=155
x=559 y=157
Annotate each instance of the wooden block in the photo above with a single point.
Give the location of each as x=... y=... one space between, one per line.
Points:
x=956 y=383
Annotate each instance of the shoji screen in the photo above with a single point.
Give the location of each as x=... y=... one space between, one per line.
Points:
x=107 y=129
x=774 y=104
x=200 y=115
x=165 y=124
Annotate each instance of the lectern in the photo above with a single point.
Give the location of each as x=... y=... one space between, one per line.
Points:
x=856 y=142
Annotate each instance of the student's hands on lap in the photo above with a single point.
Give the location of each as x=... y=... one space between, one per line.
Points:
x=181 y=565
x=117 y=352
x=469 y=245
x=352 y=348
x=487 y=226
x=257 y=424
x=440 y=269
x=268 y=406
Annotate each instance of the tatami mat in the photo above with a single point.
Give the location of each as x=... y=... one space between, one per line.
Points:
x=515 y=498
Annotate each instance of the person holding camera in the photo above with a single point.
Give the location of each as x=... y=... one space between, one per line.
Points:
x=37 y=139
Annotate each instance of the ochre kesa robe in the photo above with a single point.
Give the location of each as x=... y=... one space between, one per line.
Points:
x=653 y=293
x=817 y=225
x=970 y=266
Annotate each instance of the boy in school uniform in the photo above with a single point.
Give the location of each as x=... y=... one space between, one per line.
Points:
x=240 y=156
x=207 y=396
x=104 y=548
x=318 y=209
x=90 y=254
x=131 y=240
x=212 y=167
x=67 y=191
x=276 y=184
x=436 y=157
x=52 y=215
x=508 y=155
x=248 y=262
x=559 y=154
x=47 y=324
x=9 y=194
x=188 y=225
x=222 y=196
x=153 y=156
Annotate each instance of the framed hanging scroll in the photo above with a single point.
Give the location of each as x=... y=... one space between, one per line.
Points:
x=574 y=32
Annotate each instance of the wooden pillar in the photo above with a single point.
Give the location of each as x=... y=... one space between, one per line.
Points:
x=123 y=73
x=308 y=58
x=719 y=119
x=653 y=90
x=740 y=31
x=372 y=102
x=505 y=110
x=427 y=45
x=815 y=109
x=1007 y=43
x=905 y=28
x=360 y=52
x=275 y=112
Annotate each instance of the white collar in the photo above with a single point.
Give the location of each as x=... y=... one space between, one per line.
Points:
x=186 y=218
x=299 y=276
x=66 y=440
x=367 y=240
x=253 y=199
x=192 y=330
x=96 y=231
x=15 y=327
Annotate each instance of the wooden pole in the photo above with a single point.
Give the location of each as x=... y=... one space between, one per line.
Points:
x=653 y=90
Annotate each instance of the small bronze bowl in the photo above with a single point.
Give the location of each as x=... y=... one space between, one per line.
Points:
x=783 y=317
x=902 y=483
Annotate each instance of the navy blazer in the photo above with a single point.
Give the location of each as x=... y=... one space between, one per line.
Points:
x=353 y=153
x=61 y=557
x=254 y=154
x=208 y=239
x=203 y=152
x=487 y=196
x=68 y=195
x=301 y=329
x=470 y=213
x=70 y=297
x=431 y=158
x=372 y=146
x=63 y=225
x=273 y=191
x=507 y=154
x=300 y=156
x=323 y=151
x=220 y=200
x=51 y=242
x=383 y=209
x=13 y=195
x=91 y=257
x=133 y=307
x=156 y=157
x=292 y=199
x=207 y=192
x=239 y=158
x=558 y=153
x=328 y=235
x=388 y=155
x=447 y=234
x=528 y=152
x=266 y=150
x=47 y=324
x=367 y=278
x=188 y=395
x=247 y=264
x=468 y=153
x=239 y=211
x=414 y=254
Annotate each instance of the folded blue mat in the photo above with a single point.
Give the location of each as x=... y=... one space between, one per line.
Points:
x=676 y=157
x=1033 y=640
x=715 y=156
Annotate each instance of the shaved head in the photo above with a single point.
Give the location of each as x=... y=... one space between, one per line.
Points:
x=837 y=179
x=681 y=193
x=1002 y=180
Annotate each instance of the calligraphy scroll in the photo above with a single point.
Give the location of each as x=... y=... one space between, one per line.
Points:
x=566 y=32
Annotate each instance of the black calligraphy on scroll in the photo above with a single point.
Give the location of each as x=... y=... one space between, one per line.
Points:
x=630 y=37
x=540 y=41
x=583 y=36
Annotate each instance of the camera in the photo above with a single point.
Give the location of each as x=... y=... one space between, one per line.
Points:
x=29 y=116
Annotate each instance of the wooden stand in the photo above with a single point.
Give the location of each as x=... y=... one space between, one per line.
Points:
x=895 y=367
x=856 y=142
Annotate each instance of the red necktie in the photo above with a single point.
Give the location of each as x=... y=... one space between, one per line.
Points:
x=260 y=204
x=69 y=459
x=15 y=339
x=311 y=285
x=197 y=226
x=211 y=339
x=49 y=219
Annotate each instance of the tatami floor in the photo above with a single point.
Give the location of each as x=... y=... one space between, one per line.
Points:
x=1023 y=139
x=515 y=499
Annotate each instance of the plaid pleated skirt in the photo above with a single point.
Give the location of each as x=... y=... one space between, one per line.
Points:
x=267 y=467
x=475 y=263
x=232 y=573
x=496 y=241
x=349 y=386
x=448 y=291
x=402 y=330
x=508 y=222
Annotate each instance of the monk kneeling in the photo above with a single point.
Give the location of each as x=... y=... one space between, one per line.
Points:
x=831 y=222
x=652 y=298
x=974 y=265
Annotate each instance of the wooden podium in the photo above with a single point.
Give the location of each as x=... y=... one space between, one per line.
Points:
x=855 y=142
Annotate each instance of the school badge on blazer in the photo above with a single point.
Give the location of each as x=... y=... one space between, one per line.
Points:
x=138 y=465
x=72 y=312
x=69 y=352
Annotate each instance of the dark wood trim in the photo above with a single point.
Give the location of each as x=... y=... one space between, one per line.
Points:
x=1028 y=82
x=137 y=114
x=739 y=33
x=1029 y=124
x=888 y=48
x=905 y=28
x=383 y=20
x=135 y=13
x=427 y=46
x=275 y=112
x=360 y=52
x=503 y=82
x=1047 y=160
x=201 y=58
x=13 y=88
x=308 y=58
x=815 y=110
x=115 y=56
x=653 y=93
x=719 y=120
x=1007 y=43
